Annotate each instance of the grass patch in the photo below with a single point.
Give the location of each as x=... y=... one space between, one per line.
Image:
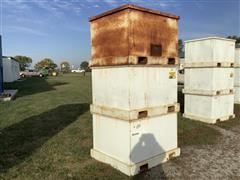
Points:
x=192 y=132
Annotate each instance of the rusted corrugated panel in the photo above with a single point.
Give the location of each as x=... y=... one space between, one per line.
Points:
x=149 y=30
x=110 y=36
x=133 y=31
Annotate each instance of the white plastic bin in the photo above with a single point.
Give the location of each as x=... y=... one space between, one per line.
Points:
x=132 y=87
x=237 y=95
x=209 y=109
x=237 y=57
x=133 y=145
x=211 y=49
x=209 y=79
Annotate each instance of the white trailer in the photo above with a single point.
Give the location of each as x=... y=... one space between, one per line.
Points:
x=11 y=69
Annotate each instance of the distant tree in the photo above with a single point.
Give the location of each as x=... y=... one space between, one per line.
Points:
x=24 y=61
x=180 y=48
x=65 y=66
x=46 y=63
x=237 y=38
x=85 y=66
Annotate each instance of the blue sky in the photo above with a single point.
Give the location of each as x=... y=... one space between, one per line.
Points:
x=59 y=29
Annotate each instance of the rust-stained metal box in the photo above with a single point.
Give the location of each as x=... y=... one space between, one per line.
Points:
x=131 y=35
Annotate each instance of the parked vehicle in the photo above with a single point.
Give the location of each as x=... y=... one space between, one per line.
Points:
x=77 y=70
x=31 y=73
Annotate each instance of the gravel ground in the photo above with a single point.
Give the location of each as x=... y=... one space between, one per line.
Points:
x=219 y=161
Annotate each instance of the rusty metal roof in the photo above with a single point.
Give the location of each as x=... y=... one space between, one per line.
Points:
x=131 y=6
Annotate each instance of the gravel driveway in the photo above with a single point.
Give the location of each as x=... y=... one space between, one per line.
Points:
x=218 y=161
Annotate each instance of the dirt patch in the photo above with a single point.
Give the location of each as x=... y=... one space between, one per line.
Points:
x=217 y=161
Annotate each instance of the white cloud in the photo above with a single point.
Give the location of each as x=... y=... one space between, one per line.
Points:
x=163 y=4
x=25 y=30
x=110 y=2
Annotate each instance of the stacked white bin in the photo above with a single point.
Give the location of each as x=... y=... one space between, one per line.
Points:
x=209 y=79
x=237 y=76
x=134 y=101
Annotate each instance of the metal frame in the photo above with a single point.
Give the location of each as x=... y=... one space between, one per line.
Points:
x=1 y=67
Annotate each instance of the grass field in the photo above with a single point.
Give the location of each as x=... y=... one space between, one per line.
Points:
x=46 y=133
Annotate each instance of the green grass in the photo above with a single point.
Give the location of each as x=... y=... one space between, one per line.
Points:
x=46 y=133
x=192 y=132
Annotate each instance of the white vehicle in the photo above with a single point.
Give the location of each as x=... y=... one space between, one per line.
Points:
x=77 y=70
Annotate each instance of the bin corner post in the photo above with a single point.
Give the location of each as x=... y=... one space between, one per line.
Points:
x=1 y=67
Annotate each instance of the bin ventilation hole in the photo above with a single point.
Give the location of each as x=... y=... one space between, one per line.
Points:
x=218 y=121
x=144 y=168
x=171 y=155
x=232 y=64
x=171 y=108
x=218 y=92
x=218 y=64
x=231 y=74
x=142 y=114
x=171 y=61
x=231 y=90
x=142 y=60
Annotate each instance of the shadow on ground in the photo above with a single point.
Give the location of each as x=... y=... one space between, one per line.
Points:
x=32 y=85
x=147 y=146
x=20 y=140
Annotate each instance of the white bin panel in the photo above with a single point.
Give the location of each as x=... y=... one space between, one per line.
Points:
x=209 y=78
x=134 y=87
x=212 y=49
x=237 y=76
x=111 y=136
x=212 y=107
x=237 y=56
x=153 y=136
x=135 y=141
x=237 y=95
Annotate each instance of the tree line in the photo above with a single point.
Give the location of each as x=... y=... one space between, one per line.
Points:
x=47 y=63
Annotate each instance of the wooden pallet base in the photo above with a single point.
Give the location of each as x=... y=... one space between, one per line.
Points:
x=135 y=168
x=134 y=60
x=208 y=92
x=130 y=115
x=209 y=65
x=11 y=93
x=208 y=120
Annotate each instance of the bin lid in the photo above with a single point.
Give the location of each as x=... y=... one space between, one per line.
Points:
x=131 y=6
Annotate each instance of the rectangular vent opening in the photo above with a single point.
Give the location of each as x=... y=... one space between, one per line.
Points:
x=171 y=155
x=218 y=64
x=171 y=61
x=171 y=109
x=144 y=168
x=142 y=114
x=142 y=60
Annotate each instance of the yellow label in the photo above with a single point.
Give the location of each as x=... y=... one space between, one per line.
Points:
x=172 y=74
